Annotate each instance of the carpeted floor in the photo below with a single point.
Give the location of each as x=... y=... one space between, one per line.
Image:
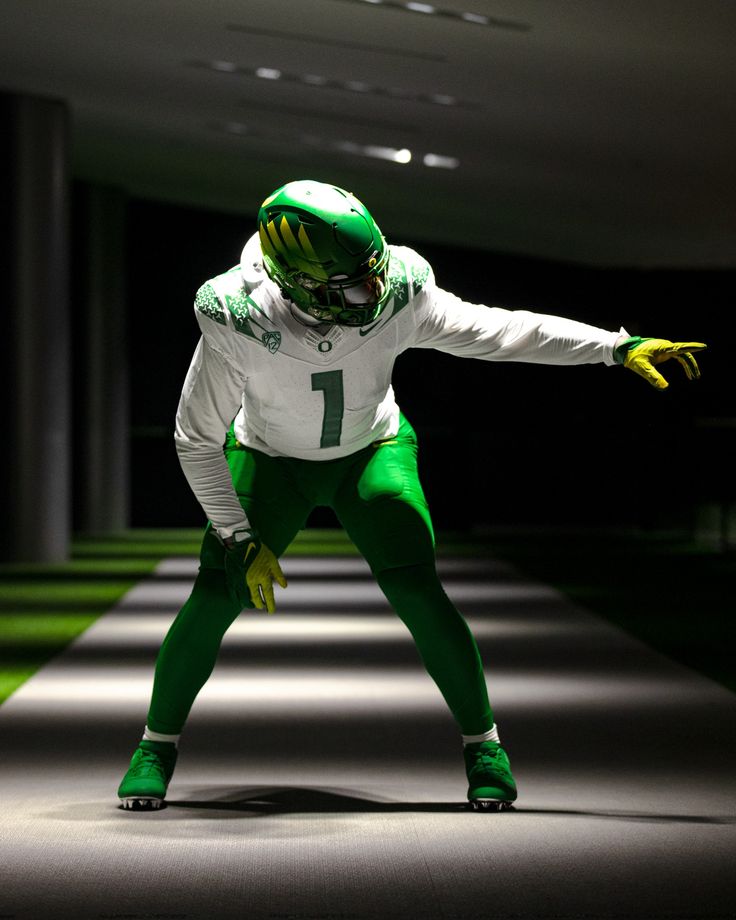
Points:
x=320 y=775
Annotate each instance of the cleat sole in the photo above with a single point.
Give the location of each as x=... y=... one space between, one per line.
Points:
x=141 y=803
x=493 y=805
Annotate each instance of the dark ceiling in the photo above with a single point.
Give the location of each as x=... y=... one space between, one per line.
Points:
x=600 y=132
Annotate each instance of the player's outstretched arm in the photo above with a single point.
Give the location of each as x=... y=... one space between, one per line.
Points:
x=641 y=355
x=250 y=570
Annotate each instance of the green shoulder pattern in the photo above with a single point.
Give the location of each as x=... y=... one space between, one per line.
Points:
x=208 y=303
x=225 y=294
x=249 y=320
x=407 y=275
x=399 y=282
x=419 y=273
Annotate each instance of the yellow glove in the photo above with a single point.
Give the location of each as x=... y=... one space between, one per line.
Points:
x=250 y=568
x=641 y=355
x=259 y=577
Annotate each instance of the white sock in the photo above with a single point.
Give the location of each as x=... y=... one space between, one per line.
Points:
x=492 y=735
x=149 y=735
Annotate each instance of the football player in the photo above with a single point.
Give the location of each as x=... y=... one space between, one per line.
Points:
x=292 y=374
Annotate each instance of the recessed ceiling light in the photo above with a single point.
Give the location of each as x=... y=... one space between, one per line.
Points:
x=268 y=73
x=475 y=17
x=420 y=7
x=392 y=154
x=442 y=99
x=224 y=66
x=387 y=153
x=440 y=162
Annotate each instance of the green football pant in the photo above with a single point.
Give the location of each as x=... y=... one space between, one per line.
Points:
x=377 y=497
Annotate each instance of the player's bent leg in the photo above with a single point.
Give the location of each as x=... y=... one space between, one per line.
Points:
x=189 y=652
x=450 y=655
x=444 y=641
x=382 y=506
x=185 y=661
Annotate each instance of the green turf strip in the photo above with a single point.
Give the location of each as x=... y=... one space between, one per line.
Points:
x=44 y=607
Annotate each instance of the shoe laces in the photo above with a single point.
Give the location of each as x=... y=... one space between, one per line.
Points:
x=485 y=759
x=149 y=762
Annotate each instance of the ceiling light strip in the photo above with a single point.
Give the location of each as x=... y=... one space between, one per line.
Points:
x=429 y=9
x=400 y=155
x=351 y=86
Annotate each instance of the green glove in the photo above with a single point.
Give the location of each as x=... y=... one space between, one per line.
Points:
x=640 y=355
x=250 y=570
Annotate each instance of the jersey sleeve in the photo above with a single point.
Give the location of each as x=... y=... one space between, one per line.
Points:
x=210 y=399
x=447 y=323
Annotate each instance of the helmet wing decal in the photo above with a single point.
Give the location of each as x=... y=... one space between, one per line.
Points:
x=306 y=245
x=288 y=238
x=280 y=242
x=295 y=250
x=274 y=244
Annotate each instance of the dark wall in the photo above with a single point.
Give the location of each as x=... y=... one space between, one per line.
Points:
x=500 y=443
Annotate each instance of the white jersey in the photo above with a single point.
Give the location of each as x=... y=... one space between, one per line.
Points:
x=318 y=392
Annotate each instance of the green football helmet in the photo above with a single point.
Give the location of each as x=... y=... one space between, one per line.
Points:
x=325 y=252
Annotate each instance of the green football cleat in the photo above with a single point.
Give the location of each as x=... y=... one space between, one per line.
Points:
x=492 y=787
x=144 y=785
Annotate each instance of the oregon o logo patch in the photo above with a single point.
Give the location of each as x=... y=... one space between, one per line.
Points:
x=324 y=346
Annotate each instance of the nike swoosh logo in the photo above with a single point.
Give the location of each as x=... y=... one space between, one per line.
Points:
x=247 y=552
x=382 y=319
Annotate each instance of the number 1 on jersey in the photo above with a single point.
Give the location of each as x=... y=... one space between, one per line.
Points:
x=330 y=382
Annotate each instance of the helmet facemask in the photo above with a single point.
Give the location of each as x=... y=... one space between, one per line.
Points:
x=347 y=301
